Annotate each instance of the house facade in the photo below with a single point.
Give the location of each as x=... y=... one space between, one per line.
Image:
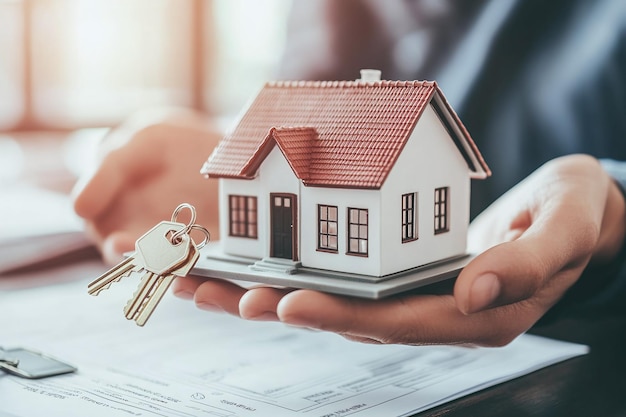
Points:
x=369 y=178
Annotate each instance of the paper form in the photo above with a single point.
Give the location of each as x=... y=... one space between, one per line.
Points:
x=186 y=362
x=36 y=225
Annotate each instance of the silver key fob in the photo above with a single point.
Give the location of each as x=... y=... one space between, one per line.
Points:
x=31 y=364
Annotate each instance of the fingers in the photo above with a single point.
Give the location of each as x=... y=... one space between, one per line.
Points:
x=413 y=319
x=219 y=296
x=261 y=303
x=210 y=294
x=185 y=287
x=517 y=270
x=115 y=245
x=504 y=274
x=130 y=153
x=119 y=169
x=93 y=194
x=381 y=320
x=556 y=233
x=416 y=319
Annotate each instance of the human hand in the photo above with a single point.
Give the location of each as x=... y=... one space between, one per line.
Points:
x=534 y=243
x=149 y=165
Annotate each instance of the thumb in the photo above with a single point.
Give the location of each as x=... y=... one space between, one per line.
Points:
x=555 y=233
x=514 y=271
x=501 y=275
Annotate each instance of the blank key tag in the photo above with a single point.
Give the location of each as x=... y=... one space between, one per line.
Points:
x=31 y=364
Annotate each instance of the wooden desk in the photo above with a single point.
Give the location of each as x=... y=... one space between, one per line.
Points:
x=590 y=385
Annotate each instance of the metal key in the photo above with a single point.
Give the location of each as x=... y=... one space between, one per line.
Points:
x=159 y=255
x=152 y=248
x=152 y=289
x=104 y=281
x=163 y=253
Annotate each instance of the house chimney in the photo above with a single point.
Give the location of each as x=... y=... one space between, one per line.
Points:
x=370 y=75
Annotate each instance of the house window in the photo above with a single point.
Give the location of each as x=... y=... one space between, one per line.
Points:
x=442 y=204
x=357 y=231
x=327 y=228
x=243 y=216
x=409 y=216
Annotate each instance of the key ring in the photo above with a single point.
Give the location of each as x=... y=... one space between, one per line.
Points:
x=176 y=237
x=207 y=235
x=185 y=231
x=182 y=206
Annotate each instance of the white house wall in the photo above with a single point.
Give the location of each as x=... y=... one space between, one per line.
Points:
x=429 y=160
x=274 y=176
x=340 y=261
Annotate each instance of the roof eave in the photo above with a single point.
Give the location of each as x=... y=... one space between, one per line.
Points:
x=466 y=145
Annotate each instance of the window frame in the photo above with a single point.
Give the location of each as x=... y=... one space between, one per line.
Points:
x=241 y=204
x=359 y=227
x=409 y=217
x=327 y=221
x=442 y=210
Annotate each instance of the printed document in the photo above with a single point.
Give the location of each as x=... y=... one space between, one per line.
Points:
x=36 y=225
x=187 y=362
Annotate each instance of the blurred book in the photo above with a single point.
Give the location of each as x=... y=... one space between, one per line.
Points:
x=37 y=226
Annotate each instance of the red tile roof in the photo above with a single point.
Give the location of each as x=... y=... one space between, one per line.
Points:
x=335 y=134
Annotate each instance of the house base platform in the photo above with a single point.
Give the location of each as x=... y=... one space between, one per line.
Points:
x=214 y=263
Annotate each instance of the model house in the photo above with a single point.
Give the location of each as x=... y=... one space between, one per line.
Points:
x=364 y=178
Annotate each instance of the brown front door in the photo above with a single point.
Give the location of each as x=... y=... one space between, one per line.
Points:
x=283 y=226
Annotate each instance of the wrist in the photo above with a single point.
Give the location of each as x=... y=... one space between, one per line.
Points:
x=613 y=228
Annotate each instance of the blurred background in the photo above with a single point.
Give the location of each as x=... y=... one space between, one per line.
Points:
x=67 y=65
x=72 y=69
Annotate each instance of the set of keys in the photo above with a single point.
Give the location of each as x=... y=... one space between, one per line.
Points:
x=163 y=253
